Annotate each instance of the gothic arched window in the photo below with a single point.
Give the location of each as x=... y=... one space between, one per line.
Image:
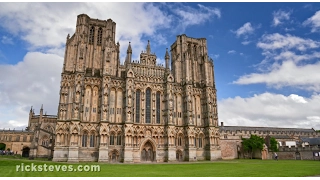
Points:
x=138 y=106
x=112 y=139
x=84 y=139
x=148 y=105
x=99 y=40
x=91 y=35
x=119 y=139
x=92 y=138
x=200 y=142
x=179 y=141
x=158 y=106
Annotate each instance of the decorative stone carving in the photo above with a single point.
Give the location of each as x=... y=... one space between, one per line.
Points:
x=76 y=113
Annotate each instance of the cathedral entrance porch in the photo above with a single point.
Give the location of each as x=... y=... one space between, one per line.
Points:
x=114 y=156
x=148 y=152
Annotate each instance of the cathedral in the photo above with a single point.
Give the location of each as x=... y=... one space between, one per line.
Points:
x=136 y=111
x=140 y=111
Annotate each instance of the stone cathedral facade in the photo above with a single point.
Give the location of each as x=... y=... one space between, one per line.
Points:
x=137 y=111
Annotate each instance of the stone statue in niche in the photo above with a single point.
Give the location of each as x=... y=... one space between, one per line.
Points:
x=129 y=95
x=129 y=100
x=104 y=115
x=190 y=120
x=170 y=104
x=170 y=118
x=81 y=53
x=61 y=114
x=148 y=133
x=129 y=116
x=75 y=113
x=77 y=96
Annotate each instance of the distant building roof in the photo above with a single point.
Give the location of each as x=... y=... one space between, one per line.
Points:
x=311 y=141
x=247 y=128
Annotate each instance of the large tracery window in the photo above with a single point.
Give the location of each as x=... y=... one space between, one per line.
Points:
x=138 y=106
x=91 y=35
x=99 y=40
x=158 y=106
x=148 y=105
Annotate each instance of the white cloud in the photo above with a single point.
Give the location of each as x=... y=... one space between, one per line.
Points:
x=6 y=40
x=31 y=82
x=292 y=56
x=279 y=41
x=246 y=42
x=313 y=21
x=231 y=52
x=192 y=16
x=244 y=30
x=308 y=6
x=289 y=29
x=283 y=67
x=216 y=56
x=287 y=74
x=279 y=16
x=271 y=110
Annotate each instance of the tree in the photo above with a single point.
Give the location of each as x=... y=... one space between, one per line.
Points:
x=253 y=143
x=273 y=144
x=2 y=146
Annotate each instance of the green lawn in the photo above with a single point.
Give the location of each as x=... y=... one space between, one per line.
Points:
x=224 y=168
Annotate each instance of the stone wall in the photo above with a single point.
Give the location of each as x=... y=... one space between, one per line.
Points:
x=229 y=149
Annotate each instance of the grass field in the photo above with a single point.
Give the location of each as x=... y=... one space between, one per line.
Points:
x=223 y=168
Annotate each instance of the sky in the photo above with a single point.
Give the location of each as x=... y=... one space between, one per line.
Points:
x=266 y=55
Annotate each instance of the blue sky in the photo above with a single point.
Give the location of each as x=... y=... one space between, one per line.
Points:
x=266 y=55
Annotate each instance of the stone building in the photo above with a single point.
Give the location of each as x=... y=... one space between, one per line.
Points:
x=136 y=111
x=36 y=140
x=139 y=111
x=231 y=139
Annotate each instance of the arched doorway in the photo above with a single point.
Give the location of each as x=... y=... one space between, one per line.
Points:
x=114 y=156
x=179 y=156
x=147 y=152
x=25 y=151
x=2 y=146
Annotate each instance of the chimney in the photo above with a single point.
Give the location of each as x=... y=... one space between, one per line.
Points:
x=221 y=124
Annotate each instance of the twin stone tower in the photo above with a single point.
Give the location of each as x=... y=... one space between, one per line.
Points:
x=137 y=111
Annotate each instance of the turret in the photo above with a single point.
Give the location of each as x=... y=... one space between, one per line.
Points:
x=30 y=116
x=129 y=53
x=148 y=48
x=41 y=112
x=167 y=58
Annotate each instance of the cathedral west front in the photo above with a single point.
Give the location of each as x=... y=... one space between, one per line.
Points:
x=136 y=111
x=139 y=111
